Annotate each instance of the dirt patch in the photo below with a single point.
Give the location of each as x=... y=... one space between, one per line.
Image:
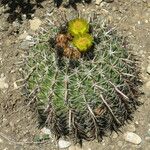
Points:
x=18 y=123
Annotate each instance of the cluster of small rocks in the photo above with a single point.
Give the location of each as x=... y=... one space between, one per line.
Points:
x=27 y=39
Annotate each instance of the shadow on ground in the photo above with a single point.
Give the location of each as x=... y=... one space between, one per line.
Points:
x=17 y=8
x=72 y=3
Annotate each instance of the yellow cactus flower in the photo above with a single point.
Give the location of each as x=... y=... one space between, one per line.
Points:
x=83 y=42
x=78 y=27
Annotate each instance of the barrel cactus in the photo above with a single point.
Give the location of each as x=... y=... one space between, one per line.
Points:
x=87 y=97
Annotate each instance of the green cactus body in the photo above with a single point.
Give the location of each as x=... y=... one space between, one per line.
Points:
x=87 y=100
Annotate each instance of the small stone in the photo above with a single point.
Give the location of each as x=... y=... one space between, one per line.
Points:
x=23 y=35
x=147 y=88
x=149 y=132
x=136 y=122
x=29 y=38
x=15 y=85
x=3 y=84
x=35 y=24
x=63 y=143
x=132 y=138
x=148 y=69
x=46 y=131
x=1 y=141
x=24 y=16
x=97 y=2
x=115 y=135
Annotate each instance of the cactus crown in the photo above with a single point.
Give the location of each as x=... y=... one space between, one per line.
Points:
x=78 y=27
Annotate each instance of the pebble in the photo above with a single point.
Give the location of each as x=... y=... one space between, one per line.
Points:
x=137 y=123
x=114 y=135
x=46 y=131
x=147 y=88
x=29 y=38
x=3 y=84
x=1 y=141
x=15 y=85
x=97 y=2
x=149 y=132
x=63 y=144
x=132 y=138
x=148 y=69
x=35 y=24
x=23 y=35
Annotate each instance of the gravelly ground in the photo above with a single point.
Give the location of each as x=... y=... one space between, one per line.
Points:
x=19 y=124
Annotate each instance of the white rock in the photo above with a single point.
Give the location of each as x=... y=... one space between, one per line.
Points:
x=46 y=131
x=97 y=2
x=148 y=69
x=1 y=141
x=132 y=138
x=23 y=35
x=35 y=24
x=3 y=84
x=15 y=85
x=29 y=38
x=136 y=122
x=63 y=143
x=148 y=131
x=147 y=88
